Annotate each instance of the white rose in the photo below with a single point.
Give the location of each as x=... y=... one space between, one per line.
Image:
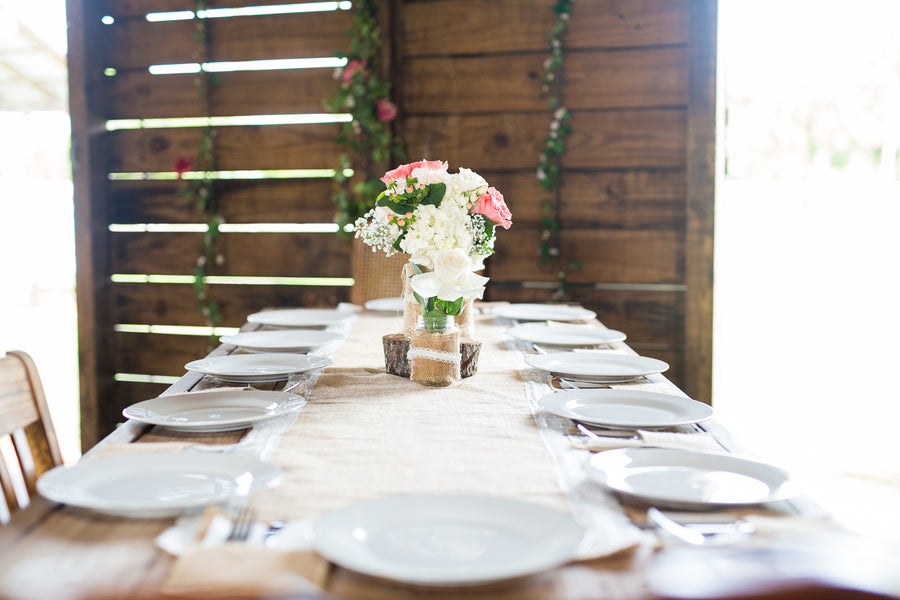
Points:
x=453 y=277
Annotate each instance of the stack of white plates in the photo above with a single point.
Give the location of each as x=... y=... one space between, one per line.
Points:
x=155 y=484
x=597 y=366
x=689 y=480
x=283 y=340
x=626 y=408
x=214 y=410
x=439 y=540
x=257 y=368
x=564 y=336
x=386 y=305
x=300 y=317
x=543 y=312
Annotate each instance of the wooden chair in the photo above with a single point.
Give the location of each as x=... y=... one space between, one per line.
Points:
x=28 y=443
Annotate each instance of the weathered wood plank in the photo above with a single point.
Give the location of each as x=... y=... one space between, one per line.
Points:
x=701 y=177
x=609 y=139
x=609 y=256
x=246 y=254
x=630 y=139
x=472 y=27
x=238 y=201
x=237 y=148
x=610 y=199
x=155 y=354
x=137 y=43
x=175 y=304
x=624 y=199
x=139 y=94
x=629 y=78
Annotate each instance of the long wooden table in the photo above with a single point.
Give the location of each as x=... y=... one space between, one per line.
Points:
x=363 y=434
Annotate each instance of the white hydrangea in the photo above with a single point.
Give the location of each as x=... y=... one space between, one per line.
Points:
x=429 y=176
x=436 y=228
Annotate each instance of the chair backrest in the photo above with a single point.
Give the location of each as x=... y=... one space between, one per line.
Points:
x=28 y=443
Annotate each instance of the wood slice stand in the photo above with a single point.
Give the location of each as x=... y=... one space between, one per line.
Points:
x=396 y=346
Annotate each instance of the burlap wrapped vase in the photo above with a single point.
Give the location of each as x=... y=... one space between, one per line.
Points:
x=434 y=355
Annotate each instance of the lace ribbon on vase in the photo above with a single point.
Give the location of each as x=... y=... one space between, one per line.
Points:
x=438 y=355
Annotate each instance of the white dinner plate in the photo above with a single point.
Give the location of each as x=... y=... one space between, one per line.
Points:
x=686 y=479
x=447 y=540
x=391 y=305
x=155 y=484
x=217 y=410
x=565 y=336
x=282 y=340
x=257 y=368
x=300 y=317
x=543 y=312
x=597 y=366
x=625 y=408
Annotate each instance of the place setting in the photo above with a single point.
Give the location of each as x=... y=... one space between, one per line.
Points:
x=542 y=312
x=555 y=337
x=302 y=318
x=596 y=367
x=156 y=484
x=295 y=341
x=214 y=410
x=257 y=368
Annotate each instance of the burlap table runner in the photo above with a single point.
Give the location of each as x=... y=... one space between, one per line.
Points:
x=365 y=433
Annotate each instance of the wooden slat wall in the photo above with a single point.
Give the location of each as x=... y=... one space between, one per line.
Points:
x=130 y=45
x=466 y=75
x=624 y=197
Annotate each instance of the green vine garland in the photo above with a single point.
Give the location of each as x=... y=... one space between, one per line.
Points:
x=368 y=138
x=548 y=168
x=202 y=190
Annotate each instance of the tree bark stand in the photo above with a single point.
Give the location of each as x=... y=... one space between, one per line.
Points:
x=396 y=346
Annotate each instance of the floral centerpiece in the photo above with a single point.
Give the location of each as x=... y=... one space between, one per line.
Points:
x=447 y=224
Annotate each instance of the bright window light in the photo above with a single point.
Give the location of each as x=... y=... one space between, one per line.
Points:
x=249 y=11
x=243 y=120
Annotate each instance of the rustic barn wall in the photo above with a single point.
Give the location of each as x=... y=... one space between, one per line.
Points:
x=471 y=94
x=466 y=75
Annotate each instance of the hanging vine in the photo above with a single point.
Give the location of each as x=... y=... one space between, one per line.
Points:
x=548 y=168
x=201 y=188
x=367 y=138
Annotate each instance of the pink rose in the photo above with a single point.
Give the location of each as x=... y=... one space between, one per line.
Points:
x=403 y=171
x=492 y=206
x=353 y=67
x=385 y=110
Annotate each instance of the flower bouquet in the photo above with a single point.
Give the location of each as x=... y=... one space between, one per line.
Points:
x=447 y=223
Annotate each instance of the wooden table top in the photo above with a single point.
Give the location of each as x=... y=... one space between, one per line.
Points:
x=51 y=550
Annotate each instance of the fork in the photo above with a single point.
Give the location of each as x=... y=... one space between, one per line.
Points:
x=242 y=519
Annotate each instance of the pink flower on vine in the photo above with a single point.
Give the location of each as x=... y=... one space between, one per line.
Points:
x=353 y=67
x=385 y=110
x=183 y=165
x=493 y=206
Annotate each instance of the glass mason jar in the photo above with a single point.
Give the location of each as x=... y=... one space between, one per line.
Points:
x=434 y=352
x=412 y=310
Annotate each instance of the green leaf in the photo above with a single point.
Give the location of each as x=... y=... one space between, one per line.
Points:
x=435 y=194
x=401 y=208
